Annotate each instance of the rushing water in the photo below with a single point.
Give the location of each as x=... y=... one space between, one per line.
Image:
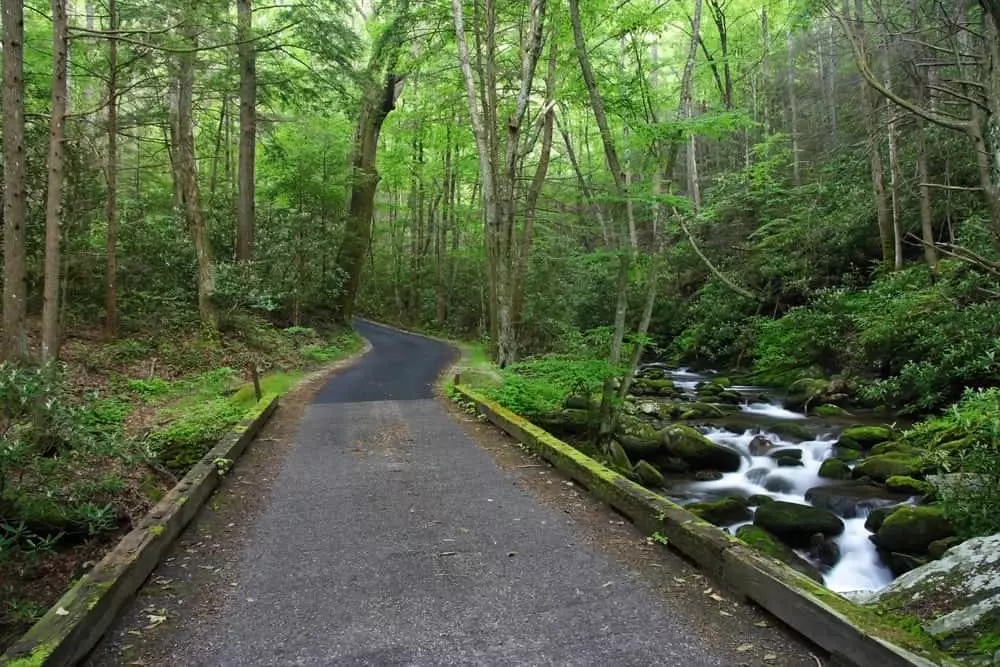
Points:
x=859 y=567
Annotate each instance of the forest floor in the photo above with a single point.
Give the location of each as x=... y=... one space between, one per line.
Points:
x=380 y=525
x=138 y=411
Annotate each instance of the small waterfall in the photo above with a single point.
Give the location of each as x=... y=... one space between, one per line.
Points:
x=770 y=410
x=859 y=567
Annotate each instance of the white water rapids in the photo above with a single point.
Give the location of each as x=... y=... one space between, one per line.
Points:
x=859 y=567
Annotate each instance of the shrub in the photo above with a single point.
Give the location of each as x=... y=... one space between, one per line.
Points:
x=966 y=439
x=537 y=386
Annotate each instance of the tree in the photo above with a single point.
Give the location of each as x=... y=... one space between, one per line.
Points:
x=15 y=345
x=383 y=85
x=245 y=210
x=53 y=203
x=111 y=176
x=499 y=179
x=186 y=174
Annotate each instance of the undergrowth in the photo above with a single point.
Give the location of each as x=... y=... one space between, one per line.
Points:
x=88 y=446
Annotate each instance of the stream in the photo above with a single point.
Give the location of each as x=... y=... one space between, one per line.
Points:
x=859 y=567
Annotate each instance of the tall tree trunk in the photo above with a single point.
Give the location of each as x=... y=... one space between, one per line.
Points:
x=607 y=414
x=111 y=261
x=870 y=113
x=793 y=112
x=379 y=101
x=765 y=68
x=245 y=210
x=15 y=347
x=535 y=189
x=895 y=178
x=499 y=179
x=187 y=171
x=53 y=201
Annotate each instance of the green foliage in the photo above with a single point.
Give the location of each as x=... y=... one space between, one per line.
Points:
x=193 y=431
x=966 y=439
x=537 y=386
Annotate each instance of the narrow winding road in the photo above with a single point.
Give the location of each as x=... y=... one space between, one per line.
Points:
x=391 y=538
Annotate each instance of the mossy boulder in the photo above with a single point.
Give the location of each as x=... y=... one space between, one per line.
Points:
x=894 y=447
x=790 y=431
x=651 y=373
x=804 y=392
x=883 y=466
x=651 y=387
x=852 y=499
x=795 y=524
x=699 y=410
x=618 y=458
x=758 y=499
x=829 y=410
x=766 y=543
x=847 y=455
x=648 y=475
x=709 y=389
x=864 y=437
x=909 y=486
x=721 y=512
x=580 y=402
x=638 y=438
x=900 y=563
x=877 y=517
x=698 y=451
x=911 y=529
x=787 y=453
x=834 y=469
x=938 y=548
x=570 y=421
x=730 y=397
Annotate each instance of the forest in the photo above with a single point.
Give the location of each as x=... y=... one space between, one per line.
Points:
x=198 y=197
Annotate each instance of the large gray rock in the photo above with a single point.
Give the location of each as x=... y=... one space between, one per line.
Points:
x=956 y=596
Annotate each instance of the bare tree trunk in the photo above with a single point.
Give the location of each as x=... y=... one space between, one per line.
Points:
x=15 y=346
x=499 y=180
x=765 y=68
x=793 y=112
x=245 y=212
x=111 y=261
x=53 y=201
x=535 y=189
x=870 y=113
x=607 y=415
x=894 y=175
x=187 y=171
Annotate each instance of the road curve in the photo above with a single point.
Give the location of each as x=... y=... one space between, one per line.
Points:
x=391 y=538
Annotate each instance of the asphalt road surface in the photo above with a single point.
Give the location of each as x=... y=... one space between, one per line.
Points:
x=390 y=538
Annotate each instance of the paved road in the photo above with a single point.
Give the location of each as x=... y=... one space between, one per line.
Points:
x=390 y=538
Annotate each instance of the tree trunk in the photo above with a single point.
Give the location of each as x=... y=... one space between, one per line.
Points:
x=111 y=261
x=187 y=172
x=607 y=415
x=535 y=189
x=793 y=112
x=870 y=113
x=245 y=210
x=895 y=178
x=15 y=346
x=379 y=101
x=53 y=201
